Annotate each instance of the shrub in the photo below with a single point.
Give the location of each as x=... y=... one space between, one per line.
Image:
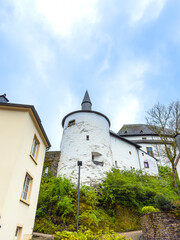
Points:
x=162 y=202
x=148 y=209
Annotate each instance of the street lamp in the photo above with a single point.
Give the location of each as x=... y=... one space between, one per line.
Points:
x=79 y=163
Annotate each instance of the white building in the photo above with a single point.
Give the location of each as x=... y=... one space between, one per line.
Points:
x=87 y=137
x=150 y=142
x=23 y=143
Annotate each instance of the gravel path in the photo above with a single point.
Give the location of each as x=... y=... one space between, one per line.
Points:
x=135 y=235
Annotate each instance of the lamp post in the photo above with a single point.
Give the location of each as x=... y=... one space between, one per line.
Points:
x=79 y=163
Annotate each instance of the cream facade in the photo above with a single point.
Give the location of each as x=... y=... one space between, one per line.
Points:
x=23 y=144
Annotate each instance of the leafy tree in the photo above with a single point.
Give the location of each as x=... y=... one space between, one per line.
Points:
x=165 y=122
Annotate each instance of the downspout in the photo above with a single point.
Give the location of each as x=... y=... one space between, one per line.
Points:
x=138 y=158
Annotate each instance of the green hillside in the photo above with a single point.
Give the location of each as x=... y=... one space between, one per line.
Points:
x=113 y=206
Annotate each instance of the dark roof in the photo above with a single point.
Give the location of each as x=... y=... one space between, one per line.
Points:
x=89 y=111
x=124 y=139
x=139 y=130
x=86 y=98
x=15 y=105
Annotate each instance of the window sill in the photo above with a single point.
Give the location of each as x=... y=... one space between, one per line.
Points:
x=24 y=201
x=33 y=159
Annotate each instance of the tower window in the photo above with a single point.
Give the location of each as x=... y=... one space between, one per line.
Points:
x=71 y=123
x=87 y=137
x=146 y=164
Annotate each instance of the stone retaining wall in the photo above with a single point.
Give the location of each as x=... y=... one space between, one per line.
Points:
x=52 y=160
x=161 y=226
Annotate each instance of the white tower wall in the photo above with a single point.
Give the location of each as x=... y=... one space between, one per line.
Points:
x=86 y=140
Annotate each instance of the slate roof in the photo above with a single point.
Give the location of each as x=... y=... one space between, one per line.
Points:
x=139 y=130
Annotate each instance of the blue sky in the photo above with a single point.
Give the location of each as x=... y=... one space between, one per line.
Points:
x=125 y=53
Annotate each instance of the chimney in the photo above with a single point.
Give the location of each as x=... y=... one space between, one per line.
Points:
x=177 y=138
x=3 y=99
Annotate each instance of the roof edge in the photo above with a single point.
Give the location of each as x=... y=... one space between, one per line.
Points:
x=89 y=111
x=16 y=105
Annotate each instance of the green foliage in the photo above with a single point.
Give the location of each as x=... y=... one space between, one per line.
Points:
x=163 y=202
x=134 y=189
x=149 y=209
x=88 y=235
x=115 y=205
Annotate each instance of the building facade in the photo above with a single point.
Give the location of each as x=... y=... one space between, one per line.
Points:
x=23 y=144
x=87 y=137
x=150 y=142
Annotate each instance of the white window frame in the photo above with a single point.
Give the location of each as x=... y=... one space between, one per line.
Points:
x=27 y=186
x=35 y=149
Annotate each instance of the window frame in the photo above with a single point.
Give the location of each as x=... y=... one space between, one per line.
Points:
x=146 y=164
x=35 y=149
x=19 y=229
x=26 y=190
x=150 y=151
x=71 y=123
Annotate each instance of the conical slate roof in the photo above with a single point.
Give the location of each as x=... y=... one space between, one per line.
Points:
x=86 y=103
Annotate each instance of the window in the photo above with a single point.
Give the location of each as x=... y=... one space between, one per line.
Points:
x=87 y=137
x=146 y=164
x=34 y=148
x=149 y=151
x=144 y=138
x=71 y=123
x=130 y=153
x=116 y=164
x=18 y=233
x=25 y=196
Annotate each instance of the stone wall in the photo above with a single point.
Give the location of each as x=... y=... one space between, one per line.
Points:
x=161 y=226
x=52 y=160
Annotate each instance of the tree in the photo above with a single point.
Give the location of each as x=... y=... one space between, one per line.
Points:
x=165 y=122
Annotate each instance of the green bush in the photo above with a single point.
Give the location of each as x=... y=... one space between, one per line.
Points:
x=162 y=202
x=149 y=209
x=89 y=235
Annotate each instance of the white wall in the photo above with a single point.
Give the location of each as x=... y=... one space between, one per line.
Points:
x=128 y=156
x=75 y=147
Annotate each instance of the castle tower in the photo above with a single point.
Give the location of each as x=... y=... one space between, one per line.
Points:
x=85 y=138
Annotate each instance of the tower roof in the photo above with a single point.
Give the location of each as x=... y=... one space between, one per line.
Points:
x=86 y=103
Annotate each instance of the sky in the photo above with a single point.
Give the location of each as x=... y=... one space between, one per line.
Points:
x=125 y=53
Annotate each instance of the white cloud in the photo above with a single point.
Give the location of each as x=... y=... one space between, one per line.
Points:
x=144 y=10
x=122 y=92
x=65 y=16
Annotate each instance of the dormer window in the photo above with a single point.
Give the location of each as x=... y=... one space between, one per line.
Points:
x=125 y=131
x=71 y=123
x=141 y=131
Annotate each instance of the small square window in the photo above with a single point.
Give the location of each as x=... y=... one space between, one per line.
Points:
x=34 y=148
x=146 y=164
x=71 y=123
x=149 y=151
x=25 y=196
x=18 y=233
